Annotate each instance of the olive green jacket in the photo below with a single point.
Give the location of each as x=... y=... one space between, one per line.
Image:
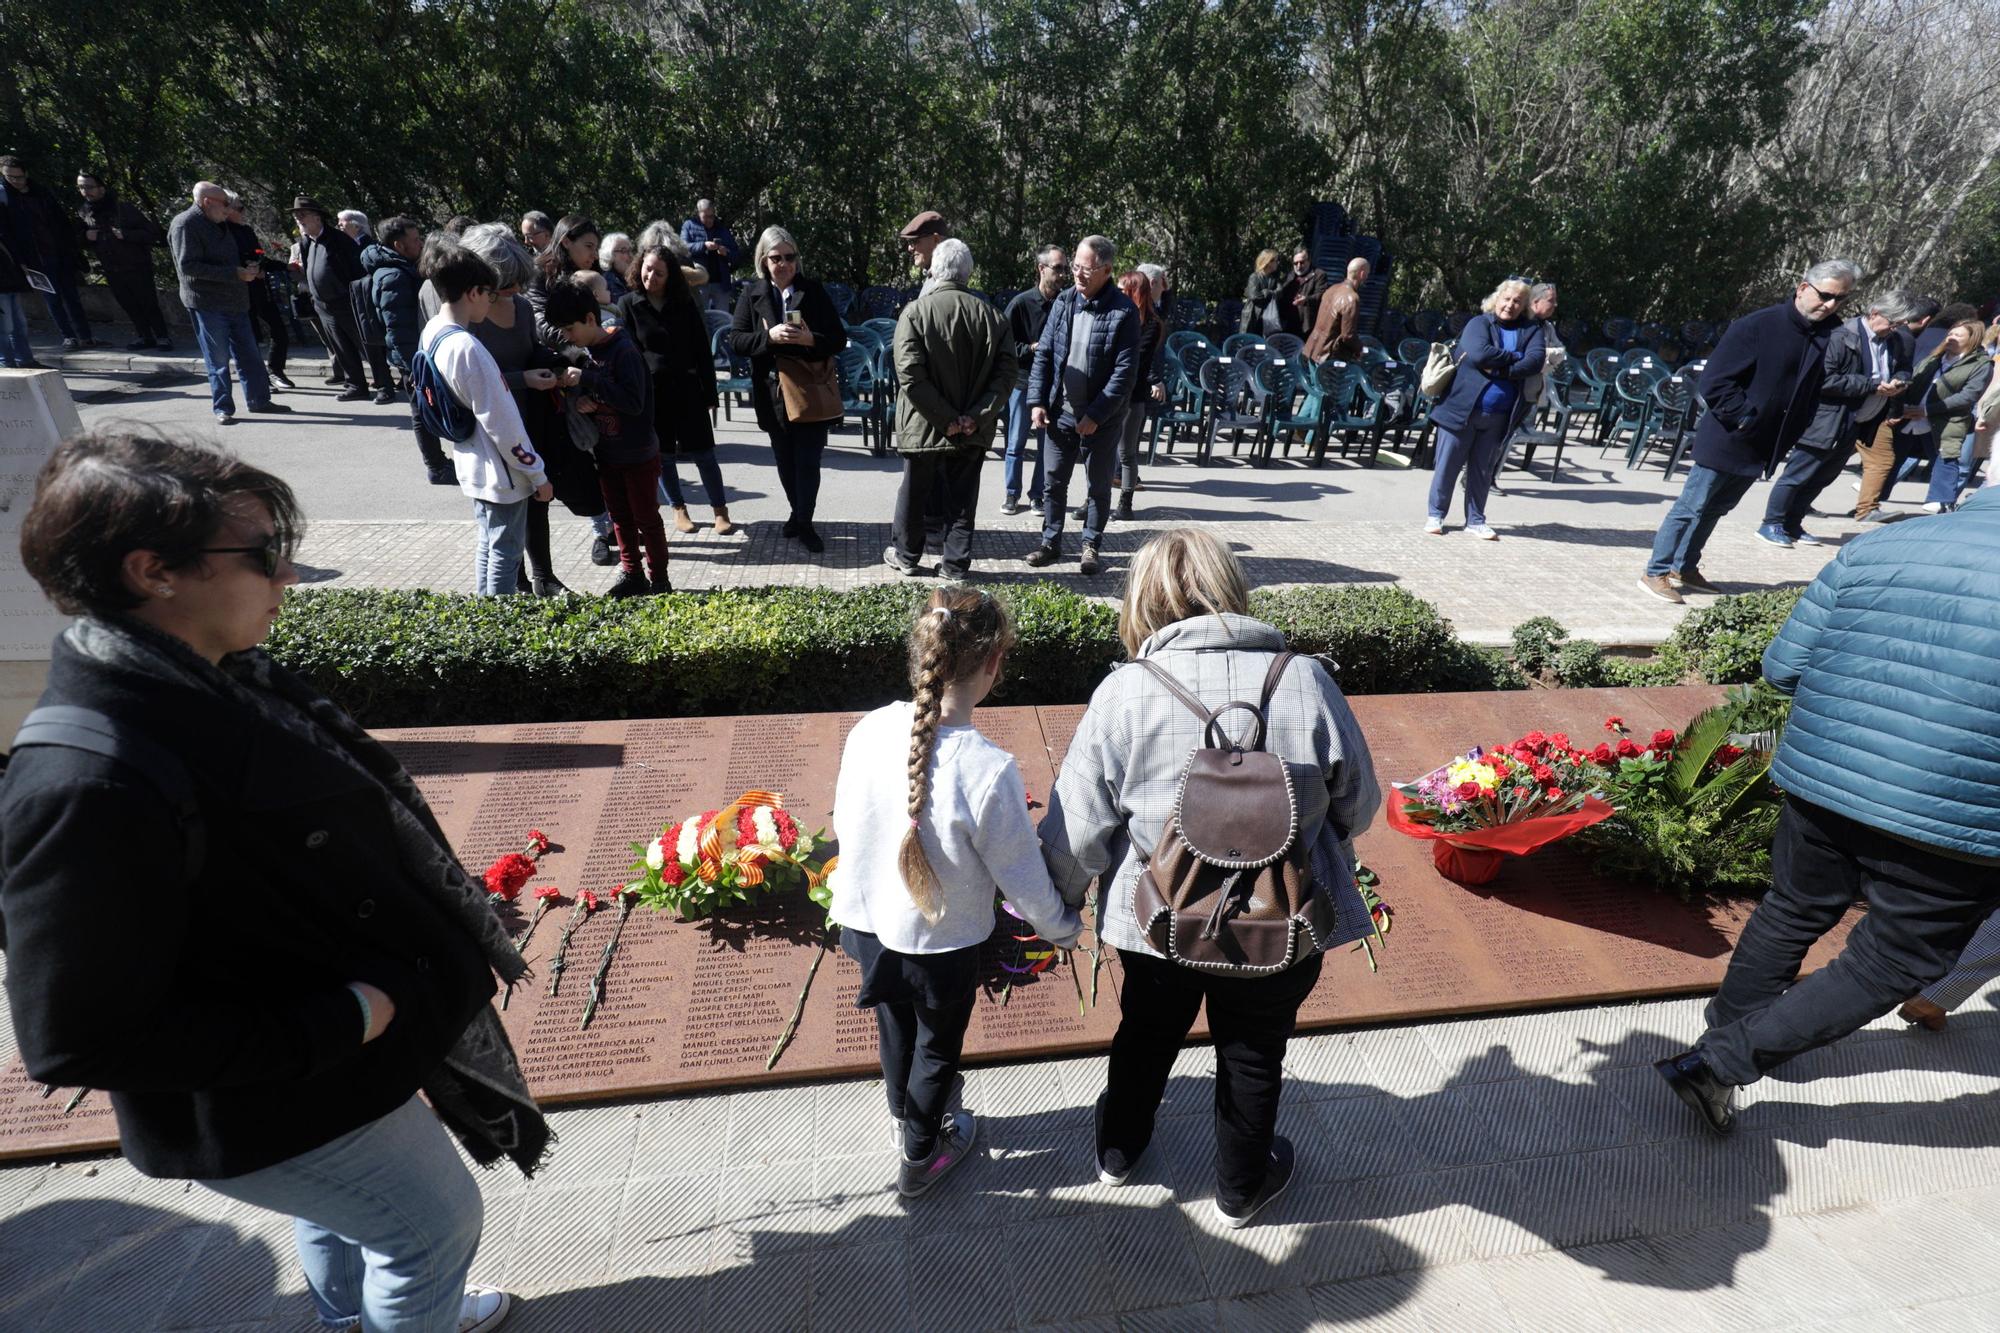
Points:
x=954 y=357
x=1958 y=389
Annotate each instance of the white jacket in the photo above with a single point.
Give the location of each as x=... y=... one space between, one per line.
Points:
x=497 y=463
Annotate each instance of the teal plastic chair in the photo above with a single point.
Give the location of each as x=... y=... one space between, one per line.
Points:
x=1292 y=404
x=1186 y=405
x=735 y=381
x=856 y=372
x=1225 y=383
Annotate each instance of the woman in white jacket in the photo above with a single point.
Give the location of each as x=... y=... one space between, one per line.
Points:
x=496 y=465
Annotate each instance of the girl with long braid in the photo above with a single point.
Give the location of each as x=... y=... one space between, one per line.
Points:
x=932 y=819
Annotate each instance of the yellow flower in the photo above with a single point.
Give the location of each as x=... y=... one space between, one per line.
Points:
x=1463 y=771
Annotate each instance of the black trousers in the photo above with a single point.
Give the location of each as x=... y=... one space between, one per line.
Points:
x=923 y=1003
x=939 y=494
x=1807 y=473
x=1060 y=453
x=265 y=311
x=1922 y=909
x=798 y=446
x=1250 y=1019
x=343 y=338
x=140 y=301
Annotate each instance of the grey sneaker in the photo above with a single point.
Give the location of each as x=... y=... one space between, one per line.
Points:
x=954 y=1145
x=1482 y=532
x=1434 y=527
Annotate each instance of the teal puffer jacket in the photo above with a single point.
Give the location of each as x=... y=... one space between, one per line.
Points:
x=1893 y=662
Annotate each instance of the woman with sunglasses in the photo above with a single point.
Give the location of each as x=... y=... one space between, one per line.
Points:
x=239 y=920
x=785 y=317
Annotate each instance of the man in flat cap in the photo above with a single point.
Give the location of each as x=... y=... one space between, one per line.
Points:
x=920 y=238
x=331 y=261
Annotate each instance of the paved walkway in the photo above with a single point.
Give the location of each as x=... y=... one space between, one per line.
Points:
x=1517 y=1172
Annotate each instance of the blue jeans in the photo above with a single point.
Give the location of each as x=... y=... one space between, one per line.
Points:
x=1950 y=472
x=1099 y=453
x=15 y=349
x=1706 y=497
x=386 y=1220
x=711 y=481
x=503 y=534
x=1474 y=451
x=221 y=335
x=1017 y=444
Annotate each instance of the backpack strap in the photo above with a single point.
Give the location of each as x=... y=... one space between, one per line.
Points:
x=99 y=733
x=1178 y=690
x=1271 y=679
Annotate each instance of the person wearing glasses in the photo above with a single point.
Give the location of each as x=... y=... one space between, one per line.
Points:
x=784 y=316
x=1079 y=391
x=1302 y=291
x=239 y=919
x=1027 y=315
x=1761 y=385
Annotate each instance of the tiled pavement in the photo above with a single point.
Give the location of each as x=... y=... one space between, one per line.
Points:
x=1584 y=576
x=1512 y=1172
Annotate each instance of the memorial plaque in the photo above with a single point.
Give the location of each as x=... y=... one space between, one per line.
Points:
x=700 y=1004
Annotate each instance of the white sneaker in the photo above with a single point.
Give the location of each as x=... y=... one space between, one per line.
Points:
x=483 y=1309
x=1483 y=532
x=1434 y=526
x=1933 y=507
x=1855 y=484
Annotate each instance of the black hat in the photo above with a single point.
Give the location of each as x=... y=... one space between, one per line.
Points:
x=305 y=203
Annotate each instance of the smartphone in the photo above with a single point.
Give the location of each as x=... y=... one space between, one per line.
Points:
x=795 y=318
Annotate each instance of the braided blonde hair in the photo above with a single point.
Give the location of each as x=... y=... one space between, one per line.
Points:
x=956 y=634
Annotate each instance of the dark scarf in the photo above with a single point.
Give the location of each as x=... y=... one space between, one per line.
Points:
x=478 y=1091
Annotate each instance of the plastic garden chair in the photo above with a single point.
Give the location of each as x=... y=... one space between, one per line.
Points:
x=1413 y=351
x=1292 y=403
x=736 y=371
x=856 y=369
x=1287 y=345
x=1225 y=387
x=842 y=296
x=1350 y=408
x=1186 y=405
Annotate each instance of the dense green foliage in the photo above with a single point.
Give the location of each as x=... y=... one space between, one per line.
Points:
x=1721 y=643
x=409 y=658
x=1658 y=157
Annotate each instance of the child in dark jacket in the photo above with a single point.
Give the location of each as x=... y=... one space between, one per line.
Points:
x=618 y=393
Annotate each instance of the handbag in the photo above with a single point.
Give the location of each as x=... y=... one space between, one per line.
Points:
x=1439 y=369
x=811 y=389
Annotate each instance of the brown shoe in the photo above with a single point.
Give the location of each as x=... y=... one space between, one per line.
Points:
x=1923 y=1013
x=1692 y=581
x=682 y=523
x=723 y=527
x=1661 y=587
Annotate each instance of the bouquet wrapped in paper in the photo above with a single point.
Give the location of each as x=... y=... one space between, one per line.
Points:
x=720 y=858
x=1489 y=804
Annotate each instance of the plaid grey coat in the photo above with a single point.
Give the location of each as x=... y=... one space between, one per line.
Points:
x=1118 y=780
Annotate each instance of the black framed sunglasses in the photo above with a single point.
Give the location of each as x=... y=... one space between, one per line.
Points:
x=1837 y=298
x=270 y=553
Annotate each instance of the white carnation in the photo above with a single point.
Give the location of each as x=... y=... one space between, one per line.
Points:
x=656 y=854
x=765 y=826
x=689 y=842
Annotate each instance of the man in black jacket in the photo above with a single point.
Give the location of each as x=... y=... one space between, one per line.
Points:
x=332 y=261
x=1761 y=386
x=44 y=237
x=124 y=238
x=1026 y=314
x=263 y=305
x=1865 y=369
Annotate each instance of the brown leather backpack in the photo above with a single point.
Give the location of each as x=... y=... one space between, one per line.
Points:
x=1230 y=885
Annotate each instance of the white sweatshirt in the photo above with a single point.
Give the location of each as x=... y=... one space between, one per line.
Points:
x=497 y=463
x=975 y=829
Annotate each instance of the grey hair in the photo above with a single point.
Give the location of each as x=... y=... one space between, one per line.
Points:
x=774 y=236
x=203 y=188
x=235 y=199
x=661 y=232
x=497 y=244
x=1830 y=270
x=1898 y=305
x=700 y=204
x=1492 y=302
x=1541 y=291
x=1153 y=272
x=951 y=261
x=609 y=243
x=1101 y=249
x=347 y=215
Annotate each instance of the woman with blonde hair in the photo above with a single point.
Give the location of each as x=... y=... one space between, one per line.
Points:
x=933 y=819
x=1947 y=389
x=1263 y=312
x=1500 y=347
x=1186 y=612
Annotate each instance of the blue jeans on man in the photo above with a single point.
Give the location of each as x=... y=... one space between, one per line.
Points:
x=1685 y=531
x=221 y=335
x=1475 y=451
x=1018 y=438
x=15 y=349
x=386 y=1219
x=502 y=537
x=1099 y=454
x=1807 y=473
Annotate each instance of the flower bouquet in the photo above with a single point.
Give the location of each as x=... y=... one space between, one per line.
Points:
x=720 y=858
x=1487 y=805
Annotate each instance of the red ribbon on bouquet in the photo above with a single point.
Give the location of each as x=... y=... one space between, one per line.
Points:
x=1474 y=856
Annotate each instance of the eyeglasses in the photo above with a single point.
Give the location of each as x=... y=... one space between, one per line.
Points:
x=1085 y=270
x=271 y=552
x=1530 y=279
x=1834 y=298
x=787 y=258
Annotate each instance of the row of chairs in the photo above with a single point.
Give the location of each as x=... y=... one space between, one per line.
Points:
x=866 y=370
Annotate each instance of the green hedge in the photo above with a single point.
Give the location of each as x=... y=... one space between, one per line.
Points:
x=419 y=658
x=1722 y=643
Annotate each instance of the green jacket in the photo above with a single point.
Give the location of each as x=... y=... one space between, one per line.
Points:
x=1958 y=389
x=954 y=357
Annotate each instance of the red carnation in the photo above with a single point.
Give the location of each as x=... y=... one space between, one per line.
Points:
x=1544 y=774
x=788 y=828
x=670 y=841
x=1602 y=754
x=1555 y=790
x=1559 y=739
x=746 y=828
x=673 y=872
x=1537 y=741
x=589 y=900
x=505 y=877
x=549 y=893
x=1627 y=750
x=538 y=840
x=1614 y=723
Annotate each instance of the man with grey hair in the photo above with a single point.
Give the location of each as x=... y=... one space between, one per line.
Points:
x=715 y=250
x=215 y=288
x=1866 y=366
x=355 y=223
x=955 y=364
x=1761 y=385
x=1079 y=391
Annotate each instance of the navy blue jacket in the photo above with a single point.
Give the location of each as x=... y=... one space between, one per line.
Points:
x=1113 y=356
x=1892 y=659
x=718 y=266
x=393 y=285
x=1482 y=361
x=615 y=374
x=1761 y=386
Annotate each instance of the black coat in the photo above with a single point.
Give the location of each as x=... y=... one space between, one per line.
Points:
x=1761 y=385
x=131 y=253
x=674 y=339
x=216 y=1013
x=1847 y=382
x=332 y=262
x=756 y=311
x=43 y=232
